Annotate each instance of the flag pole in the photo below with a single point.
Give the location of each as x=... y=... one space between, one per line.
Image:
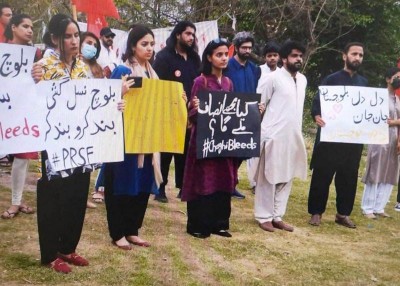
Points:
x=74 y=15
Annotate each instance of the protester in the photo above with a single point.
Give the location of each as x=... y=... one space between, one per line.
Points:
x=128 y=184
x=243 y=73
x=5 y=17
x=283 y=153
x=341 y=160
x=90 y=51
x=178 y=61
x=19 y=32
x=108 y=58
x=382 y=170
x=271 y=55
x=62 y=195
x=208 y=196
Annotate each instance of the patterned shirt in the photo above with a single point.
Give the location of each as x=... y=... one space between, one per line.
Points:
x=55 y=69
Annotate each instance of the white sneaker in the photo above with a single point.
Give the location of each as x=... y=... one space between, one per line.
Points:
x=397 y=207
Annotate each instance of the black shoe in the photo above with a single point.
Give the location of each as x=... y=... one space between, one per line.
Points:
x=199 y=235
x=161 y=198
x=238 y=195
x=223 y=233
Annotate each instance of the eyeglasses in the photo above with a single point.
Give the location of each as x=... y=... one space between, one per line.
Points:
x=110 y=36
x=219 y=41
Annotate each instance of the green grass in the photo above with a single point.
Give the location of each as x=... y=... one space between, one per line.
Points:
x=325 y=255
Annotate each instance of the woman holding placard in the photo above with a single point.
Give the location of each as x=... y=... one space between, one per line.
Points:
x=19 y=32
x=209 y=183
x=62 y=195
x=128 y=184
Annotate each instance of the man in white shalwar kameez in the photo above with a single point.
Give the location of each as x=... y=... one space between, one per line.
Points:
x=283 y=153
x=271 y=56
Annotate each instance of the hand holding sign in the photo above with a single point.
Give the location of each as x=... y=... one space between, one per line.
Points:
x=354 y=114
x=228 y=124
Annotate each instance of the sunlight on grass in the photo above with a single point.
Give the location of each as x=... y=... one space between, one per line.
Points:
x=325 y=255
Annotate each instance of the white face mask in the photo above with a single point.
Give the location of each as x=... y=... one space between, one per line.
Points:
x=88 y=51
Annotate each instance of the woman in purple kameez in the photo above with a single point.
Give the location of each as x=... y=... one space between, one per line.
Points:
x=209 y=183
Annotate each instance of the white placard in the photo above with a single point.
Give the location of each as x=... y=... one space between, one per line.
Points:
x=205 y=32
x=354 y=114
x=83 y=125
x=21 y=108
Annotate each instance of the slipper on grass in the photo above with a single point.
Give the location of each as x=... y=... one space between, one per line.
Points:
x=26 y=210
x=9 y=214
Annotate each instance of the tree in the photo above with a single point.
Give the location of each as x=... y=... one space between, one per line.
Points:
x=324 y=26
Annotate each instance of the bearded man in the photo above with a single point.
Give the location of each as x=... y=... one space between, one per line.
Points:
x=178 y=61
x=283 y=153
x=243 y=73
x=330 y=159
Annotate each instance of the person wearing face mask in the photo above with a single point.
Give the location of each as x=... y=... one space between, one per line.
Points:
x=382 y=169
x=90 y=50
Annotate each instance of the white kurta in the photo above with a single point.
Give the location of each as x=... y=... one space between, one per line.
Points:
x=252 y=163
x=285 y=154
x=108 y=58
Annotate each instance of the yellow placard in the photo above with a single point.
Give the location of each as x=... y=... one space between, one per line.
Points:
x=155 y=118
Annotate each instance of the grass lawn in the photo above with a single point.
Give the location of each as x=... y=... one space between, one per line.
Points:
x=325 y=255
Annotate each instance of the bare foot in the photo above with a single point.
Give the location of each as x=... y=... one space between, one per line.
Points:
x=136 y=240
x=122 y=242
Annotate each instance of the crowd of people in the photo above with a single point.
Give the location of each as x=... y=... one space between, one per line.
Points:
x=206 y=185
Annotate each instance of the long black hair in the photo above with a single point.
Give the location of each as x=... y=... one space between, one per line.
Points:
x=15 y=20
x=57 y=27
x=179 y=29
x=208 y=51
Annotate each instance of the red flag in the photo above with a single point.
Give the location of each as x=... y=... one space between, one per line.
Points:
x=231 y=51
x=97 y=7
x=95 y=23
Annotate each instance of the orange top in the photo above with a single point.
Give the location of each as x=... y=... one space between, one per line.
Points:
x=2 y=38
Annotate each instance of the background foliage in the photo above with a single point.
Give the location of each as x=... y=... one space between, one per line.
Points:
x=324 y=26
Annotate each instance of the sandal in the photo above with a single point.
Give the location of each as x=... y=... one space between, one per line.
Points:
x=98 y=197
x=9 y=214
x=26 y=210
